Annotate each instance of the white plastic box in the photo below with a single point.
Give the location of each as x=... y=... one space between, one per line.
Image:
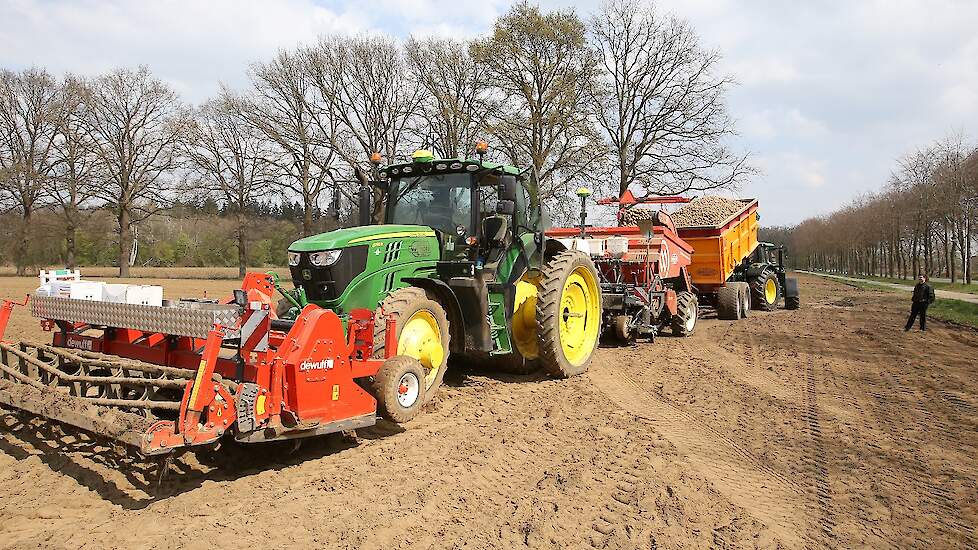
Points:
x=115 y=293
x=147 y=295
x=596 y=247
x=87 y=290
x=616 y=246
x=55 y=289
x=57 y=282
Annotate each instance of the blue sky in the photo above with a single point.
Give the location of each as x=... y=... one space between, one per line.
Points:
x=830 y=93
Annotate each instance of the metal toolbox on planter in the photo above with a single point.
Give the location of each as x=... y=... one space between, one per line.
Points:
x=185 y=320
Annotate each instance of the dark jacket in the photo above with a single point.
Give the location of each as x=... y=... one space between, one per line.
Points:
x=923 y=294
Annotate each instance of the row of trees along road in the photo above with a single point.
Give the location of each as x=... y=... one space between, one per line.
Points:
x=627 y=98
x=923 y=221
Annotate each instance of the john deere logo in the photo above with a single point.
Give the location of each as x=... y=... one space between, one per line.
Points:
x=307 y=274
x=420 y=248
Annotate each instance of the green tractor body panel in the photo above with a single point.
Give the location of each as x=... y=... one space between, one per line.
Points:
x=349 y=236
x=372 y=262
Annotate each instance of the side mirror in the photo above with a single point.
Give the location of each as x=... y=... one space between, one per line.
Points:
x=505 y=207
x=363 y=204
x=507 y=188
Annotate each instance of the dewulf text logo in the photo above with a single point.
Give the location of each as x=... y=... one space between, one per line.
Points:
x=323 y=364
x=85 y=345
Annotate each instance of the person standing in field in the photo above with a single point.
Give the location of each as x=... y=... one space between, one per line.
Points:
x=923 y=296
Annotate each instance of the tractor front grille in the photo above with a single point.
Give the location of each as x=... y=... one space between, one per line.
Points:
x=329 y=283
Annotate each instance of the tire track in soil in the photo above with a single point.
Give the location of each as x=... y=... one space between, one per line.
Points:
x=620 y=516
x=817 y=459
x=889 y=390
x=733 y=471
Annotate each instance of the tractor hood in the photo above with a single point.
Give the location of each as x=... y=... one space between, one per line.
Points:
x=352 y=236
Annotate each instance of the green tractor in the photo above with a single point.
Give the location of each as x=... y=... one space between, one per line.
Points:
x=764 y=271
x=463 y=267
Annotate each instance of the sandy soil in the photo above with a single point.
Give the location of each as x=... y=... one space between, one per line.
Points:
x=823 y=427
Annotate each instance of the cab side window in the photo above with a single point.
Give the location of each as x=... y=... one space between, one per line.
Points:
x=522 y=205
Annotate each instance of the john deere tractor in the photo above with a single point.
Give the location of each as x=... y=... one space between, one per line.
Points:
x=462 y=266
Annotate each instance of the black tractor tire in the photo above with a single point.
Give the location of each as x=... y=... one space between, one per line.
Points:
x=743 y=290
x=758 y=290
x=728 y=302
x=399 y=377
x=687 y=309
x=792 y=302
x=550 y=313
x=401 y=305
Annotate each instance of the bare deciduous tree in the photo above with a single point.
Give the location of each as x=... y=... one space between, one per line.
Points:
x=364 y=82
x=539 y=66
x=233 y=159
x=77 y=168
x=29 y=111
x=454 y=106
x=138 y=123
x=661 y=103
x=281 y=106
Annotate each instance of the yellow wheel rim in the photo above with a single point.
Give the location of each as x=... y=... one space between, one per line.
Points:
x=525 y=319
x=770 y=291
x=579 y=315
x=421 y=338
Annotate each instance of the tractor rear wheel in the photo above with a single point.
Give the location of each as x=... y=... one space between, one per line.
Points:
x=728 y=302
x=687 y=308
x=422 y=333
x=399 y=388
x=568 y=313
x=765 y=291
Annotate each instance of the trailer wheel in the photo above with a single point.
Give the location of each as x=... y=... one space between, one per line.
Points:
x=765 y=291
x=743 y=290
x=728 y=302
x=687 y=309
x=568 y=314
x=422 y=333
x=623 y=330
x=399 y=388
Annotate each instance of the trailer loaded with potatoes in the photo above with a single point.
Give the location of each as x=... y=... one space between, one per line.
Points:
x=728 y=268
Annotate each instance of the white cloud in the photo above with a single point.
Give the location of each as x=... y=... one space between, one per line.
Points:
x=768 y=124
x=194 y=45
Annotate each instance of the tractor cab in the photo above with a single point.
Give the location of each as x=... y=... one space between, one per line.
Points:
x=476 y=208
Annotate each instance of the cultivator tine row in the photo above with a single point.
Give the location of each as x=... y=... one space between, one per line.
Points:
x=114 y=397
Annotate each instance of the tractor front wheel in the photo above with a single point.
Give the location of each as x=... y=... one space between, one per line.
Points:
x=422 y=333
x=568 y=313
x=399 y=388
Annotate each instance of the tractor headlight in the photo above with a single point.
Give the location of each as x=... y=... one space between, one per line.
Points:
x=294 y=258
x=324 y=258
